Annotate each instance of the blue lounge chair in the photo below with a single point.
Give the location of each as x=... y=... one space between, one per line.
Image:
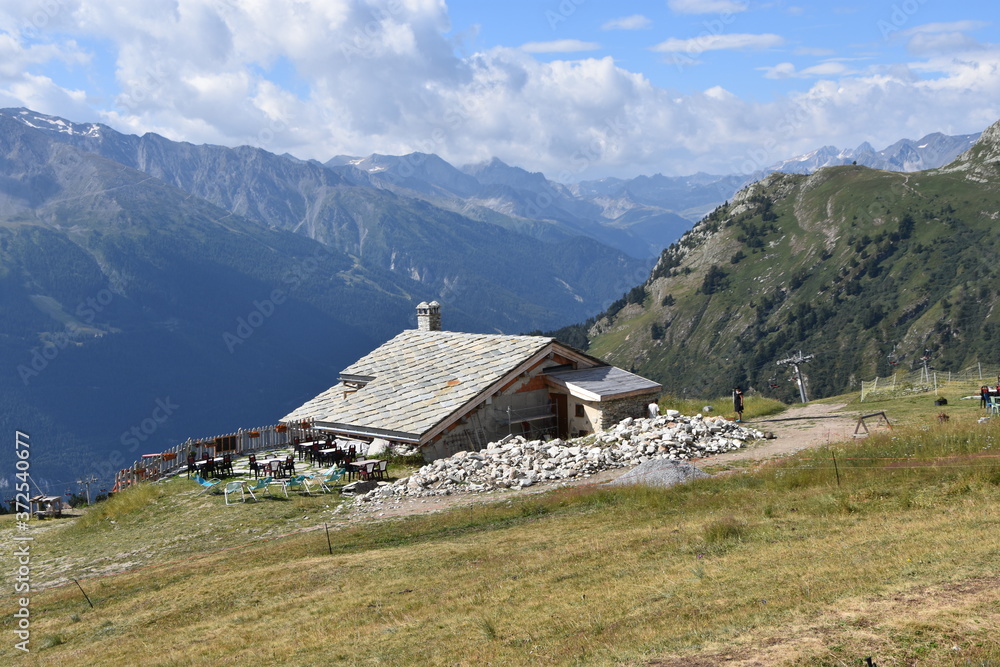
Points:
x=331 y=476
x=260 y=485
x=298 y=483
x=210 y=485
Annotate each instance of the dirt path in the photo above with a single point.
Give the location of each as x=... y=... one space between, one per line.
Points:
x=796 y=429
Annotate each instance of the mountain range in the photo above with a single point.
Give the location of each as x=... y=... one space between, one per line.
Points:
x=932 y=151
x=865 y=270
x=230 y=284
x=156 y=290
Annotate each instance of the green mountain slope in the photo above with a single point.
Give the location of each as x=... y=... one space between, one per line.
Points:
x=867 y=270
x=128 y=304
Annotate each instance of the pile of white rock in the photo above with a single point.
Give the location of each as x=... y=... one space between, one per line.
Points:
x=516 y=463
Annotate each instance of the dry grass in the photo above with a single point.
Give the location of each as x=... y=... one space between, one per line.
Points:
x=776 y=566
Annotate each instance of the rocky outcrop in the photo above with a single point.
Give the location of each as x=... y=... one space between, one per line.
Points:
x=517 y=463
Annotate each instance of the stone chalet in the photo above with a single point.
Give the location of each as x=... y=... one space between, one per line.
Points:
x=445 y=391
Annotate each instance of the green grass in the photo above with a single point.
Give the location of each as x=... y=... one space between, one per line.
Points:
x=755 y=406
x=782 y=564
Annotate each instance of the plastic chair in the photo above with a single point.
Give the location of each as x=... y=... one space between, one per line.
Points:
x=277 y=482
x=272 y=467
x=192 y=464
x=298 y=483
x=331 y=476
x=227 y=465
x=232 y=488
x=262 y=484
x=254 y=466
x=367 y=471
x=208 y=465
x=381 y=468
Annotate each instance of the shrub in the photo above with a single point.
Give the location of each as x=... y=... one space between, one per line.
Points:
x=727 y=529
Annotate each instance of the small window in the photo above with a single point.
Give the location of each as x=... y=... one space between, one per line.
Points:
x=225 y=443
x=579 y=411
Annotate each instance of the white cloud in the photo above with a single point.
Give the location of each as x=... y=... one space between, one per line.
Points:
x=707 y=6
x=952 y=26
x=383 y=76
x=786 y=70
x=40 y=92
x=723 y=42
x=16 y=55
x=719 y=93
x=560 y=46
x=926 y=44
x=633 y=22
x=813 y=51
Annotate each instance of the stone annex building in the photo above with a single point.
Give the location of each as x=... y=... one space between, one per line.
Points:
x=446 y=391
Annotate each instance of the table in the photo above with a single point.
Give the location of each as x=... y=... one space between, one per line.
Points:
x=330 y=455
x=271 y=467
x=210 y=465
x=363 y=464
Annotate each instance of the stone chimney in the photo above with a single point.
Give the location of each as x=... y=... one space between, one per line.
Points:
x=429 y=316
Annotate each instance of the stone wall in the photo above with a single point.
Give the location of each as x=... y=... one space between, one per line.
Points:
x=613 y=412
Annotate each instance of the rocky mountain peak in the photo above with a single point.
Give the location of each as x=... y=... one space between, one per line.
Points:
x=980 y=161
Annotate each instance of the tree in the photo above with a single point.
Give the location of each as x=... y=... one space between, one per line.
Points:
x=715 y=280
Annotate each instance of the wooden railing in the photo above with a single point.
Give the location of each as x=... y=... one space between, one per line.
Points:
x=240 y=443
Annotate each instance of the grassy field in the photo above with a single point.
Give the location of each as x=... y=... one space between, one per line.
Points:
x=886 y=547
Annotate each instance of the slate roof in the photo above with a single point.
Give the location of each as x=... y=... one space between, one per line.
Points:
x=420 y=378
x=602 y=383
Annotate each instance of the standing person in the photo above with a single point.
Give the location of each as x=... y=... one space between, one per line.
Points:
x=738 y=403
x=984 y=394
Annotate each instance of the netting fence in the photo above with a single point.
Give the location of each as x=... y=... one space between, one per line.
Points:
x=928 y=379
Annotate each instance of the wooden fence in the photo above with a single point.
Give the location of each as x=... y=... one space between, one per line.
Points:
x=245 y=441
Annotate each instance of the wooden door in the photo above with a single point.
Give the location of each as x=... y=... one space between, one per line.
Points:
x=562 y=416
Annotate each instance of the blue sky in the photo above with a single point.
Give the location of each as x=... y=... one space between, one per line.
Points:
x=574 y=88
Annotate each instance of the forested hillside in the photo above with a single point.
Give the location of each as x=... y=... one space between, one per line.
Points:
x=867 y=270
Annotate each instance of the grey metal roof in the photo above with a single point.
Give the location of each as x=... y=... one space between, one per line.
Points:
x=420 y=378
x=603 y=382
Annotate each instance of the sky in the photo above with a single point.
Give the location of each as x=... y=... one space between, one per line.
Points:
x=576 y=89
